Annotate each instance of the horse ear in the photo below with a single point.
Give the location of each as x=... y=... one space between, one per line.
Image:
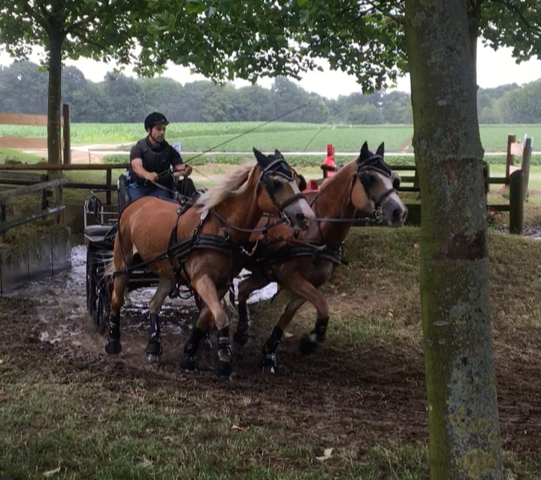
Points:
x=364 y=152
x=277 y=154
x=302 y=183
x=260 y=157
x=364 y=148
x=381 y=150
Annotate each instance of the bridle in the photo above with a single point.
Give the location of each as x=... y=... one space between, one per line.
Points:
x=375 y=163
x=279 y=167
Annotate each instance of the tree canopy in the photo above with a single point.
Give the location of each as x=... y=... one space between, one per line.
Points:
x=122 y=99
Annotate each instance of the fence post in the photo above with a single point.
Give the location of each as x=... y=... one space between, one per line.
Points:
x=109 y=182
x=510 y=159
x=516 y=202
x=67 y=137
x=58 y=201
x=2 y=217
x=526 y=161
x=486 y=177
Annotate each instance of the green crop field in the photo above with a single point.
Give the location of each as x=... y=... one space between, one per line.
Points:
x=284 y=136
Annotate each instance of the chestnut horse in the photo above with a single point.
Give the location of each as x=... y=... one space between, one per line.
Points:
x=301 y=264
x=201 y=247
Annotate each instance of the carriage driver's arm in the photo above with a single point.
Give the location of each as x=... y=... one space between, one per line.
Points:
x=138 y=169
x=184 y=169
x=179 y=165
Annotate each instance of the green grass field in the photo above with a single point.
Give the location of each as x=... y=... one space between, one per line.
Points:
x=70 y=413
x=284 y=136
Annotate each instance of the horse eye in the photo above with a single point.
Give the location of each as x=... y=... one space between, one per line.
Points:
x=367 y=179
x=277 y=185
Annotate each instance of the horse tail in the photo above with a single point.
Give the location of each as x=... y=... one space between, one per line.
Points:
x=228 y=302
x=110 y=269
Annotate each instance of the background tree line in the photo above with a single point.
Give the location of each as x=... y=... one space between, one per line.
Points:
x=123 y=99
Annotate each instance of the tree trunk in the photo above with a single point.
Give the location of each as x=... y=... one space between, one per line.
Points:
x=459 y=365
x=56 y=40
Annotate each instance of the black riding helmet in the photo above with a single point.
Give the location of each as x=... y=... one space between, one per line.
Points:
x=154 y=119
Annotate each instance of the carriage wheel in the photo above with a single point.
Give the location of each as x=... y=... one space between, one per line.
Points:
x=102 y=313
x=91 y=282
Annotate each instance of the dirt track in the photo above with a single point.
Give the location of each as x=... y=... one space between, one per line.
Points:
x=334 y=397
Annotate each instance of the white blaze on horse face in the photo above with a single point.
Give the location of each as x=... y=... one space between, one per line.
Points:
x=394 y=210
x=299 y=212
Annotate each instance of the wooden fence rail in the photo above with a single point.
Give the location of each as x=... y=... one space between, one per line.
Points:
x=38 y=187
x=514 y=207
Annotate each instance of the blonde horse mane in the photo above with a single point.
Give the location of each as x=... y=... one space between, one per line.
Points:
x=233 y=183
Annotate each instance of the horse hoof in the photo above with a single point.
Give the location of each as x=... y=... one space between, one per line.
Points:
x=307 y=344
x=268 y=363
x=224 y=370
x=189 y=362
x=153 y=358
x=241 y=338
x=154 y=349
x=113 y=347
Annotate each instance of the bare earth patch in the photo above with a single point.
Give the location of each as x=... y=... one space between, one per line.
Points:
x=365 y=387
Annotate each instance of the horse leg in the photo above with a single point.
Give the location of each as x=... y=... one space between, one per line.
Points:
x=246 y=287
x=113 y=346
x=207 y=290
x=154 y=348
x=316 y=337
x=207 y=344
x=272 y=344
x=199 y=333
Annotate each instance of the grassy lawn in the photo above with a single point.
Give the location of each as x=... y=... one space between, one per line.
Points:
x=67 y=410
x=12 y=155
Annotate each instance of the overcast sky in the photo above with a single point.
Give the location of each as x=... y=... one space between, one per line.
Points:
x=494 y=69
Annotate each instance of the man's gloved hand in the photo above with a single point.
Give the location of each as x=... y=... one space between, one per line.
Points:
x=184 y=170
x=151 y=176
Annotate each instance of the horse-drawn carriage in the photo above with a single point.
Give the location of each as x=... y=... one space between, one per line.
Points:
x=206 y=247
x=100 y=227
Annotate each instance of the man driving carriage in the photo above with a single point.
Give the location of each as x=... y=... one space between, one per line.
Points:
x=151 y=160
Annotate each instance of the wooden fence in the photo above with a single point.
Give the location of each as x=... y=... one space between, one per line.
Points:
x=516 y=182
x=40 y=188
x=517 y=192
x=109 y=186
x=37 y=121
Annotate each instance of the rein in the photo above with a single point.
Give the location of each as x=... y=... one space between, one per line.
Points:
x=221 y=242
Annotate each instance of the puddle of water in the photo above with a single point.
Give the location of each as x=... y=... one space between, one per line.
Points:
x=62 y=300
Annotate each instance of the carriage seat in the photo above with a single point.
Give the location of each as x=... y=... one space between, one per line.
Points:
x=123 y=195
x=185 y=187
x=96 y=233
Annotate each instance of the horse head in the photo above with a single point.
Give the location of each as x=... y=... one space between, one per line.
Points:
x=375 y=191
x=281 y=193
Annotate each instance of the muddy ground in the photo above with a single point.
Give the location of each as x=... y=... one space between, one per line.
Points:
x=372 y=394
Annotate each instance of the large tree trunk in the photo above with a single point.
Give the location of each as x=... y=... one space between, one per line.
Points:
x=55 y=96
x=461 y=383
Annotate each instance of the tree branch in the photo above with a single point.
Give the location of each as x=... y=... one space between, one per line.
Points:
x=89 y=19
x=42 y=21
x=510 y=6
x=83 y=37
